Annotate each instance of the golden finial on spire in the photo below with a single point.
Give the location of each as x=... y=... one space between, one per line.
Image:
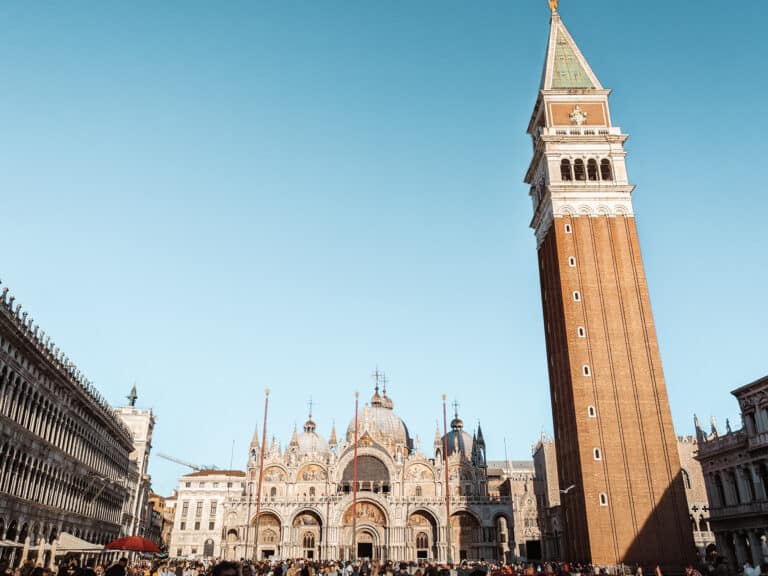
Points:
x=553 y=5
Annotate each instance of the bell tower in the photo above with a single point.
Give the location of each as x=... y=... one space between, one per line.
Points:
x=616 y=445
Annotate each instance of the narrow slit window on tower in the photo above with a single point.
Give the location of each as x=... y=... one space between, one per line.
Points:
x=585 y=370
x=579 y=172
x=572 y=262
x=606 y=173
x=568 y=229
x=603 y=499
x=577 y=296
x=591 y=412
x=565 y=171
x=597 y=454
x=581 y=332
x=592 y=170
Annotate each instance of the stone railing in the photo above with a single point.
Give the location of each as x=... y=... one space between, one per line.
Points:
x=759 y=441
x=580 y=131
x=732 y=440
x=747 y=509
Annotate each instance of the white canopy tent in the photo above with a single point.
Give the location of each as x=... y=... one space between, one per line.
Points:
x=66 y=543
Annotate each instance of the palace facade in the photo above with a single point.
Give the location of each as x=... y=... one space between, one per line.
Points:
x=64 y=452
x=306 y=507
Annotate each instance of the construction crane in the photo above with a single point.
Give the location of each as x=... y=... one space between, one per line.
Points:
x=184 y=463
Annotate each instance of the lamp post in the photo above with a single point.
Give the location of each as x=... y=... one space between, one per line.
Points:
x=447 y=487
x=354 y=484
x=261 y=475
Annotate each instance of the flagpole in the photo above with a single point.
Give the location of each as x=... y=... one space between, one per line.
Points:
x=447 y=486
x=354 y=486
x=261 y=475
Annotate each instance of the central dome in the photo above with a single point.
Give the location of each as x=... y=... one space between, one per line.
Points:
x=310 y=442
x=382 y=424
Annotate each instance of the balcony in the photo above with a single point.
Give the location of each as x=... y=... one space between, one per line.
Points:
x=580 y=131
x=739 y=510
x=759 y=441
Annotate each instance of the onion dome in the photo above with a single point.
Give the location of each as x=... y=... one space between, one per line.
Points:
x=459 y=441
x=382 y=424
x=310 y=442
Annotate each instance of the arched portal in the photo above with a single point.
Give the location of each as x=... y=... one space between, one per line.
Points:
x=422 y=535
x=268 y=543
x=370 y=524
x=465 y=536
x=307 y=532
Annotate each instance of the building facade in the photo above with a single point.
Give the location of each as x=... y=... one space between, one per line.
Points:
x=165 y=508
x=199 y=512
x=615 y=440
x=63 y=450
x=696 y=496
x=515 y=480
x=307 y=510
x=137 y=509
x=735 y=467
x=547 y=491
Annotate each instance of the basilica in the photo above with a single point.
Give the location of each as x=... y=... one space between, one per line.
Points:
x=402 y=513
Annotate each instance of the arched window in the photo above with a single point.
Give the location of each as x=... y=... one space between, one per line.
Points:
x=703 y=526
x=417 y=492
x=720 y=490
x=694 y=524
x=273 y=492
x=312 y=492
x=579 y=172
x=565 y=171
x=592 y=170
x=606 y=173
x=309 y=540
x=686 y=480
x=422 y=541
x=603 y=499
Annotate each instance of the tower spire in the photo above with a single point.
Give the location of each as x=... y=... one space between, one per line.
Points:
x=565 y=67
x=553 y=6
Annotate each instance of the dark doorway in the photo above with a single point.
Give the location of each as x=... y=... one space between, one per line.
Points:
x=267 y=554
x=533 y=548
x=422 y=554
x=365 y=550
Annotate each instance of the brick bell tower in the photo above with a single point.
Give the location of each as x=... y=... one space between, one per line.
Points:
x=624 y=499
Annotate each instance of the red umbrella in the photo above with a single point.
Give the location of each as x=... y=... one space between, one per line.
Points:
x=133 y=544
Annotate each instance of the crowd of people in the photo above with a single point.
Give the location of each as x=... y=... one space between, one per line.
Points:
x=302 y=567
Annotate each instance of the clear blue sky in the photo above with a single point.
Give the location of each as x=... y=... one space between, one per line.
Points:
x=211 y=198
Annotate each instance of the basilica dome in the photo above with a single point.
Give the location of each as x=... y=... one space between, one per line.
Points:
x=382 y=424
x=310 y=442
x=458 y=441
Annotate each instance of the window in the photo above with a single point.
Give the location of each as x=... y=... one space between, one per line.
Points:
x=581 y=332
x=597 y=454
x=215 y=484
x=572 y=262
x=194 y=550
x=585 y=370
x=229 y=484
x=605 y=170
x=183 y=526
x=591 y=412
x=309 y=540
x=592 y=170
x=197 y=525
x=178 y=551
x=422 y=541
x=211 y=525
x=199 y=510
x=202 y=484
x=578 y=170
x=184 y=508
x=273 y=492
x=568 y=229
x=417 y=492
x=603 y=499
x=565 y=171
x=212 y=511
x=188 y=484
x=577 y=296
x=686 y=479
x=312 y=492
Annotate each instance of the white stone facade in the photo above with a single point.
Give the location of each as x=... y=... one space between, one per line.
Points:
x=199 y=504
x=306 y=507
